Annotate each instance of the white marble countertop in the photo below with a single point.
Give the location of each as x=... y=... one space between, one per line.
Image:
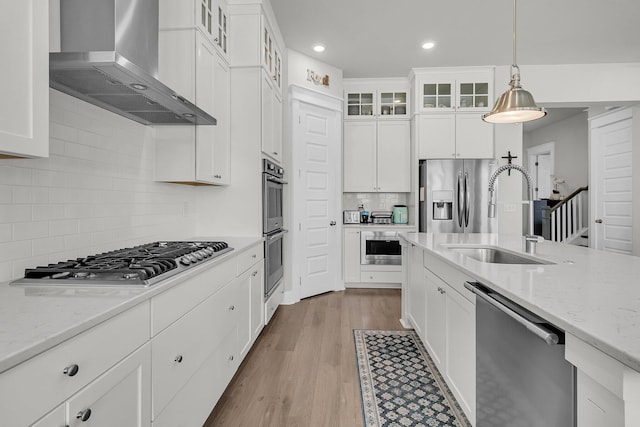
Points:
x=35 y=319
x=594 y=295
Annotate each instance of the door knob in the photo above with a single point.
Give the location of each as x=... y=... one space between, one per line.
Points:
x=598 y=221
x=332 y=223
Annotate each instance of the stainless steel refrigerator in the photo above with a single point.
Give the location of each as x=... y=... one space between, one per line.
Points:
x=454 y=196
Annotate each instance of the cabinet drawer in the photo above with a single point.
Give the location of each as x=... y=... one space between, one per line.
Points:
x=36 y=386
x=381 y=276
x=250 y=257
x=169 y=306
x=452 y=276
x=181 y=349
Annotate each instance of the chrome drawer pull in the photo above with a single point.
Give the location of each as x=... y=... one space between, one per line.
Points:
x=178 y=358
x=71 y=370
x=84 y=415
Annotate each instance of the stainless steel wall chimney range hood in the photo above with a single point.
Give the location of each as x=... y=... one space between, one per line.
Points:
x=109 y=58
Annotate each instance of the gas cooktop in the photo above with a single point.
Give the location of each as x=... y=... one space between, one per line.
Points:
x=141 y=266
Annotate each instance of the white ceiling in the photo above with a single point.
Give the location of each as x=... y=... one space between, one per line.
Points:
x=382 y=38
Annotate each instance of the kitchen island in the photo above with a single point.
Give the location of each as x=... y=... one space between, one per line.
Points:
x=594 y=296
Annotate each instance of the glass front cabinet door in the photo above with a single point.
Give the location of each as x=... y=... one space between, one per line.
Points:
x=360 y=105
x=393 y=104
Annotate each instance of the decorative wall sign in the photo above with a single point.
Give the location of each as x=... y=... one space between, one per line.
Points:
x=316 y=78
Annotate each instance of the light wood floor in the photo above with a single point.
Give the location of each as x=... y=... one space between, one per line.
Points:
x=302 y=369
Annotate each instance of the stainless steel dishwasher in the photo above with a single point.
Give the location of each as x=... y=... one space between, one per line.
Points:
x=522 y=377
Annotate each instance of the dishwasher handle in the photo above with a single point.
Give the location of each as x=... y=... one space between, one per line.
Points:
x=540 y=331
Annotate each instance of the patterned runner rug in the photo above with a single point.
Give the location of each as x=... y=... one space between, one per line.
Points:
x=400 y=385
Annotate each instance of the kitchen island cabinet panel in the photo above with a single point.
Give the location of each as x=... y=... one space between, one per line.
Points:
x=416 y=289
x=24 y=110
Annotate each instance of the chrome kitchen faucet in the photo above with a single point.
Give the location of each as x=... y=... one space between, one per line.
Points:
x=530 y=238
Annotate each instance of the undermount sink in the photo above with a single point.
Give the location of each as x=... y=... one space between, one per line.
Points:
x=495 y=255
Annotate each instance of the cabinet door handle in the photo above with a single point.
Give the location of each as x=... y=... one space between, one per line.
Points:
x=255 y=273
x=84 y=415
x=275 y=153
x=254 y=256
x=217 y=176
x=231 y=308
x=231 y=358
x=178 y=358
x=71 y=370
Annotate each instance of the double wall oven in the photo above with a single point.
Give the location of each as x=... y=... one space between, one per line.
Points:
x=272 y=224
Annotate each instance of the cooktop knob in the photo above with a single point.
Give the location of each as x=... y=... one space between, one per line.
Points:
x=198 y=255
x=185 y=261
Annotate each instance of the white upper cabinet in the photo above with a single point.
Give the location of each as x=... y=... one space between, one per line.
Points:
x=453 y=89
x=191 y=64
x=377 y=156
x=454 y=136
x=449 y=103
x=271 y=56
x=208 y=16
x=24 y=110
x=367 y=99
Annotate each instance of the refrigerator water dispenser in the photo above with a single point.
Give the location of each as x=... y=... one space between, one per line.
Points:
x=442 y=205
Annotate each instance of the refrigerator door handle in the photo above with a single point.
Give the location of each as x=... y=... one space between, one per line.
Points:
x=460 y=200
x=467 y=196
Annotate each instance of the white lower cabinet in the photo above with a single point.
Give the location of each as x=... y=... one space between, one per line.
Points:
x=460 y=353
x=357 y=274
x=351 y=255
x=55 y=418
x=120 y=397
x=608 y=392
x=444 y=319
x=436 y=328
x=195 y=357
x=416 y=289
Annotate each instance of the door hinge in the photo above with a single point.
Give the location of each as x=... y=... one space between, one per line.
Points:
x=299 y=120
x=299 y=226
x=300 y=280
x=536 y=163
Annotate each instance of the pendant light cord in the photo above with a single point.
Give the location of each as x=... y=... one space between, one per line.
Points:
x=514 y=33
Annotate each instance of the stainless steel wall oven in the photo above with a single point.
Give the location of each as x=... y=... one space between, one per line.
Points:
x=272 y=188
x=380 y=247
x=272 y=223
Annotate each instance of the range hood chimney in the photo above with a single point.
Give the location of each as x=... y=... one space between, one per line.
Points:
x=109 y=58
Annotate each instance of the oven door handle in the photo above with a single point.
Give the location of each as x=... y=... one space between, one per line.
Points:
x=276 y=235
x=276 y=180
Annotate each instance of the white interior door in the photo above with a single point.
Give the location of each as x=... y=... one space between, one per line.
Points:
x=543 y=176
x=316 y=136
x=612 y=211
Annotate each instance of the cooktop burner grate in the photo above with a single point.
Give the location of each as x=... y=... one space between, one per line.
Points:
x=140 y=265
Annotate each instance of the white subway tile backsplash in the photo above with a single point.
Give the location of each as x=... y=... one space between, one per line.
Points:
x=5 y=232
x=15 y=213
x=63 y=227
x=30 y=230
x=33 y=195
x=12 y=251
x=94 y=193
x=65 y=133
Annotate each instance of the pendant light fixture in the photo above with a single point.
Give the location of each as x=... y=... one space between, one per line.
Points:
x=516 y=105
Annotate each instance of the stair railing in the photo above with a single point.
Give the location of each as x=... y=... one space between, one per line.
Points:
x=564 y=221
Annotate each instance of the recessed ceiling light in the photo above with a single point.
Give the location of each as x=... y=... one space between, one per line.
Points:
x=428 y=45
x=318 y=48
